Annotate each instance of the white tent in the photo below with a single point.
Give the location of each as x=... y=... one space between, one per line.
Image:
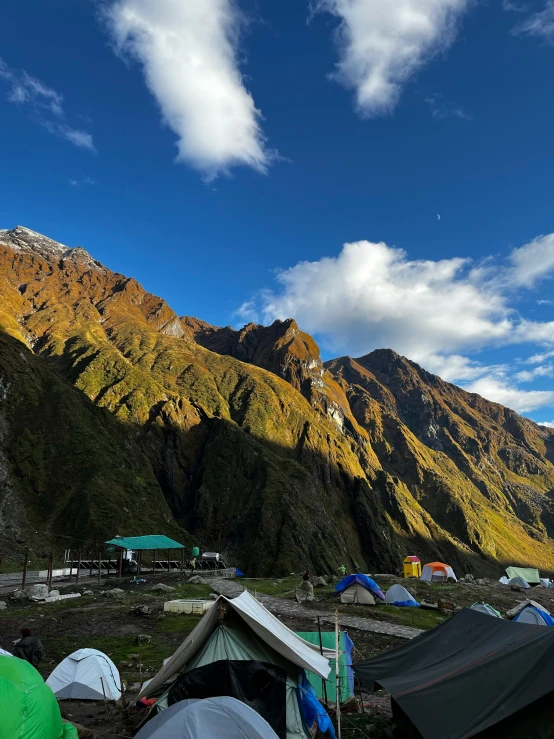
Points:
x=520 y=582
x=398 y=594
x=242 y=629
x=545 y=582
x=87 y=674
x=3 y=653
x=357 y=594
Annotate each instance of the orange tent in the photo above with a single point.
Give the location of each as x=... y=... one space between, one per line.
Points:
x=437 y=572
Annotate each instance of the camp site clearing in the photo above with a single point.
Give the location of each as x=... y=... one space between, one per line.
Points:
x=138 y=643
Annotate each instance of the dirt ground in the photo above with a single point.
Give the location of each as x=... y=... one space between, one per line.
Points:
x=138 y=644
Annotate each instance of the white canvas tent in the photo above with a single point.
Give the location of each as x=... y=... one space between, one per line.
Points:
x=248 y=631
x=357 y=594
x=520 y=582
x=398 y=594
x=87 y=674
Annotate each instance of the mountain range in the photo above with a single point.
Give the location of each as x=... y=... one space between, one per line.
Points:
x=117 y=416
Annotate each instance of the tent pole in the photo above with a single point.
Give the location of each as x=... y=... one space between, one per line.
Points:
x=120 y=565
x=337 y=669
x=324 y=682
x=78 y=568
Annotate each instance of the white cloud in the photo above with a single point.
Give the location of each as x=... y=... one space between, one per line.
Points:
x=548 y=424
x=382 y=44
x=189 y=52
x=45 y=105
x=82 y=182
x=512 y=7
x=503 y=392
x=545 y=302
x=435 y=312
x=540 y=25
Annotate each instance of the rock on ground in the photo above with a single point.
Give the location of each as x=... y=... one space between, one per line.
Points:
x=319 y=582
x=115 y=593
x=163 y=588
x=3 y=605
x=228 y=588
x=305 y=592
x=39 y=591
x=19 y=595
x=196 y=580
x=143 y=639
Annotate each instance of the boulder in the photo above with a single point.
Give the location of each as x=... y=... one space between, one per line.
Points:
x=88 y=592
x=214 y=596
x=319 y=582
x=141 y=610
x=3 y=605
x=446 y=605
x=143 y=639
x=469 y=578
x=305 y=592
x=196 y=580
x=37 y=592
x=481 y=581
x=228 y=588
x=115 y=593
x=162 y=588
x=429 y=606
x=54 y=594
x=19 y=595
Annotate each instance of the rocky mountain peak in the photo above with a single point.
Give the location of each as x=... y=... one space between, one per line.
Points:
x=22 y=239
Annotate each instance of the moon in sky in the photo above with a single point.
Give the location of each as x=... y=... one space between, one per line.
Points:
x=438 y=217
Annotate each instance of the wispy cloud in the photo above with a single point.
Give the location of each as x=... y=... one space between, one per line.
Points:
x=44 y=104
x=442 y=109
x=540 y=24
x=189 y=52
x=82 y=182
x=382 y=43
x=545 y=302
x=512 y=7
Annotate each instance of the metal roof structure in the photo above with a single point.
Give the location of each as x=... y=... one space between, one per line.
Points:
x=153 y=541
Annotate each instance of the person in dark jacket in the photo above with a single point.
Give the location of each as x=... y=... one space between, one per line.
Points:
x=29 y=647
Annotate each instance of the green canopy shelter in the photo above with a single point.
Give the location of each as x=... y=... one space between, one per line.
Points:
x=140 y=543
x=29 y=708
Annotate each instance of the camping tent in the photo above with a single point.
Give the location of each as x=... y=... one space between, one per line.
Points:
x=242 y=629
x=196 y=719
x=397 y=595
x=518 y=582
x=494 y=667
x=346 y=675
x=359 y=589
x=536 y=616
x=29 y=709
x=529 y=574
x=485 y=608
x=3 y=653
x=437 y=572
x=545 y=582
x=87 y=674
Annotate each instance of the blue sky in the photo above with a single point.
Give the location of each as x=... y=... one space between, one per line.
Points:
x=223 y=153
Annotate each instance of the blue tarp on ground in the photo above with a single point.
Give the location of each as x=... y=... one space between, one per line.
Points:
x=364 y=580
x=238 y=573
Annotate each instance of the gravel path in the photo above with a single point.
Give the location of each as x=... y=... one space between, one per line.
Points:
x=282 y=607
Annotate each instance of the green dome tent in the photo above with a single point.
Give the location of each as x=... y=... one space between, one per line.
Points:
x=29 y=707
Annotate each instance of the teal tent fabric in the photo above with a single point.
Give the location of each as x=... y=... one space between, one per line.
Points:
x=155 y=541
x=345 y=662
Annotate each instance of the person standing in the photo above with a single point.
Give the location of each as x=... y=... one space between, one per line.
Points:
x=342 y=570
x=29 y=647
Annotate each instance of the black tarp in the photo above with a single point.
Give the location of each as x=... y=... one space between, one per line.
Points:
x=258 y=684
x=466 y=675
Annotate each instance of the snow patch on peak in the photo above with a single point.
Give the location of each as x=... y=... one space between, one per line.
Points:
x=23 y=239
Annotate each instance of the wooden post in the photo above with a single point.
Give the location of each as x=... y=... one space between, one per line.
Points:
x=78 y=568
x=139 y=561
x=91 y=563
x=182 y=559
x=25 y=565
x=70 y=567
x=99 y=567
x=50 y=570
x=337 y=669
x=321 y=652
x=154 y=562
x=120 y=566
x=168 y=560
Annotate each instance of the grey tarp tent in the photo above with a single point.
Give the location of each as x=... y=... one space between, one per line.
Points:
x=198 y=719
x=466 y=675
x=529 y=574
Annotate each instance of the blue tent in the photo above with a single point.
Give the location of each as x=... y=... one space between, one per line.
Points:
x=532 y=615
x=364 y=580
